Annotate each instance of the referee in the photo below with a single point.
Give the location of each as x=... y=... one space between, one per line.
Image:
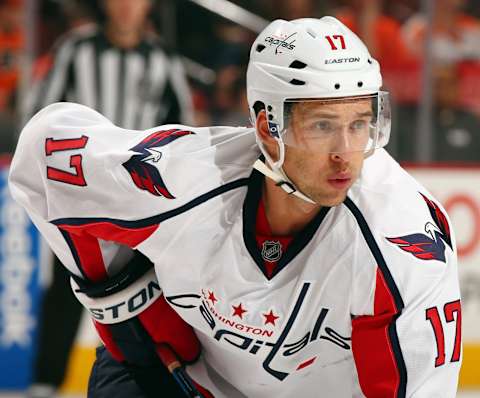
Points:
x=120 y=69
x=123 y=71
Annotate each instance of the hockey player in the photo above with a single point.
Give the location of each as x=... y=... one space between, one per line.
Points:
x=305 y=259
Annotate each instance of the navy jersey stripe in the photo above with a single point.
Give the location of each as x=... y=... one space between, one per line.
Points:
x=377 y=254
x=397 y=352
x=73 y=250
x=157 y=219
x=278 y=344
x=392 y=287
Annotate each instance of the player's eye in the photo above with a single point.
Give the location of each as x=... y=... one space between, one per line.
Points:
x=321 y=126
x=359 y=125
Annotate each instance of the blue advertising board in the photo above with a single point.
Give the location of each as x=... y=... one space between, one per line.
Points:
x=20 y=290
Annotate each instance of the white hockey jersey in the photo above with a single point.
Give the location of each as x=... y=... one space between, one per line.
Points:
x=364 y=302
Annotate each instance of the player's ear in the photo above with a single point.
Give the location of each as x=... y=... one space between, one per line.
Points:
x=263 y=133
x=262 y=126
x=263 y=130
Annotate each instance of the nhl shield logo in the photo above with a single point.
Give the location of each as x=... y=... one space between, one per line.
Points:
x=271 y=250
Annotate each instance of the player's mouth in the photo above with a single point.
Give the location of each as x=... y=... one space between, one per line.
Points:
x=340 y=180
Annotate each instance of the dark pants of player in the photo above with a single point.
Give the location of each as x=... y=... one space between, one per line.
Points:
x=111 y=379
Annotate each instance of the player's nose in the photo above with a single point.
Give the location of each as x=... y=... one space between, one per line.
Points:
x=342 y=158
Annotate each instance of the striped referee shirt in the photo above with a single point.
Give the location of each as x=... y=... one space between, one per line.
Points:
x=135 y=88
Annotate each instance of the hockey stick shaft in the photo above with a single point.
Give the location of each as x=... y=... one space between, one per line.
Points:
x=170 y=360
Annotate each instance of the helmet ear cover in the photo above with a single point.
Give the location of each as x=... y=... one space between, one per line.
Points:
x=259 y=106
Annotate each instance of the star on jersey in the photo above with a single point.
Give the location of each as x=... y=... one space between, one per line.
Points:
x=429 y=246
x=238 y=311
x=267 y=342
x=270 y=318
x=211 y=297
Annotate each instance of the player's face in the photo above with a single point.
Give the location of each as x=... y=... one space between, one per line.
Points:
x=324 y=157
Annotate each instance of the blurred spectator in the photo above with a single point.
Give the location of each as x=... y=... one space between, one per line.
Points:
x=456 y=35
x=78 y=13
x=380 y=32
x=233 y=44
x=230 y=98
x=11 y=46
x=401 y=10
x=201 y=106
x=287 y=9
x=457 y=131
x=123 y=70
x=456 y=70
x=55 y=17
x=231 y=58
x=228 y=52
x=472 y=8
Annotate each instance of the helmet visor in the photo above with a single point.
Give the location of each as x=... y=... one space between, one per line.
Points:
x=338 y=125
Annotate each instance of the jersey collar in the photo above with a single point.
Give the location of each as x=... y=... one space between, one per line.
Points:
x=250 y=207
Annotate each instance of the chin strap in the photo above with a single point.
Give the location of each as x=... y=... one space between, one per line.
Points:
x=275 y=171
x=281 y=180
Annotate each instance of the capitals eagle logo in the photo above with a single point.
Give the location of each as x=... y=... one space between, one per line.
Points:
x=144 y=175
x=429 y=246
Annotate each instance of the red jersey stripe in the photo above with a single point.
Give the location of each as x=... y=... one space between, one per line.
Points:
x=377 y=368
x=111 y=232
x=90 y=257
x=164 y=325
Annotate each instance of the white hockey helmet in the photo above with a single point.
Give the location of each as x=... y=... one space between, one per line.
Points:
x=310 y=59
